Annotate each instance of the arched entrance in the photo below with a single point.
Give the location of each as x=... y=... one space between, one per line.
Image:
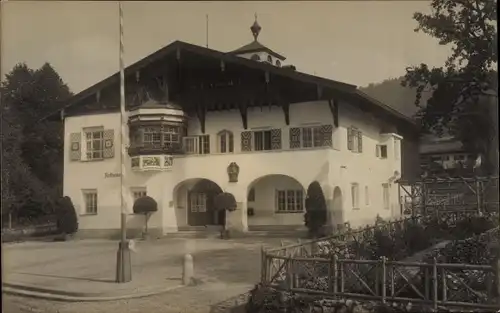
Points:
x=275 y=200
x=197 y=196
x=337 y=217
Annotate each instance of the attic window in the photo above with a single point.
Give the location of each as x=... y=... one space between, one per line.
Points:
x=255 y=57
x=278 y=63
x=269 y=59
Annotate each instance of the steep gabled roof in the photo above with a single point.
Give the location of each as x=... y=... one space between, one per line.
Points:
x=256 y=46
x=348 y=90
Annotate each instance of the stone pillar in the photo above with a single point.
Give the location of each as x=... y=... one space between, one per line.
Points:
x=237 y=221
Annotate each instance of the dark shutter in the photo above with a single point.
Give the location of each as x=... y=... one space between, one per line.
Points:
x=75 y=149
x=360 y=141
x=246 y=141
x=326 y=131
x=350 y=138
x=108 y=137
x=294 y=138
x=276 y=139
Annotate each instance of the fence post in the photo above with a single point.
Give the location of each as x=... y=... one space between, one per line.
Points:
x=478 y=195
x=289 y=273
x=383 y=280
x=434 y=284
x=335 y=275
x=497 y=274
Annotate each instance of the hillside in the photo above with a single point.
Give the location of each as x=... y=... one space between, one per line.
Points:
x=393 y=94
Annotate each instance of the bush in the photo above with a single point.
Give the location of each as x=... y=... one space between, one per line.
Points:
x=67 y=221
x=316 y=212
x=225 y=201
x=145 y=205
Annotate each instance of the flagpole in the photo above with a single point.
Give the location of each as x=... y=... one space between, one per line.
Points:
x=123 y=266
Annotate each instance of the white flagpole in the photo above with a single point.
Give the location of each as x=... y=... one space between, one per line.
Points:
x=123 y=266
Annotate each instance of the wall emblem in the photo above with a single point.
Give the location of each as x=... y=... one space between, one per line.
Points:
x=233 y=170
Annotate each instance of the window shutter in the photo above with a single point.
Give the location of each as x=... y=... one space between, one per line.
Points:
x=75 y=149
x=246 y=141
x=276 y=139
x=294 y=138
x=327 y=130
x=360 y=141
x=349 y=139
x=108 y=136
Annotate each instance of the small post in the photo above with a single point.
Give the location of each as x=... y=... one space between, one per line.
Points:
x=383 y=280
x=478 y=196
x=187 y=270
x=335 y=275
x=497 y=274
x=289 y=273
x=445 y=285
x=434 y=284
x=262 y=264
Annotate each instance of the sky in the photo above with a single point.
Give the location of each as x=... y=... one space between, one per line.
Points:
x=356 y=42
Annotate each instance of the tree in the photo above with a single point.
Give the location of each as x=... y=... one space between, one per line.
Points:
x=316 y=212
x=33 y=150
x=67 y=221
x=147 y=206
x=461 y=88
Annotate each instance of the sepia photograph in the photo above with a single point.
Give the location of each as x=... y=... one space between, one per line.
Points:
x=249 y=156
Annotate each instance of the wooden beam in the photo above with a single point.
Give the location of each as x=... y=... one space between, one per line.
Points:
x=334 y=108
x=243 y=106
x=98 y=96
x=319 y=91
x=286 y=110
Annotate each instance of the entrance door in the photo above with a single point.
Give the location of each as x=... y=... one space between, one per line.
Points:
x=197 y=211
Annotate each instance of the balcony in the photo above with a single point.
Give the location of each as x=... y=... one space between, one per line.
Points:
x=145 y=163
x=154 y=149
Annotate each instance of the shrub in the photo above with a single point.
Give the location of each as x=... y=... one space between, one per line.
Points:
x=225 y=201
x=145 y=205
x=316 y=212
x=67 y=221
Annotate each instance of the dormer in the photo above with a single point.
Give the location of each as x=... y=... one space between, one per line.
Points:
x=258 y=52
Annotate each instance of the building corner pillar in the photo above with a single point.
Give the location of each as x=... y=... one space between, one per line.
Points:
x=237 y=220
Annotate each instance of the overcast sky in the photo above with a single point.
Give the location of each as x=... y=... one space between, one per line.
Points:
x=357 y=42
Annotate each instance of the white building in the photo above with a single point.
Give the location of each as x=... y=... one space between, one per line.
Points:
x=195 y=114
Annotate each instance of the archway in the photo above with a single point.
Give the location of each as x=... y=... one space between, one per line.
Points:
x=275 y=200
x=197 y=197
x=337 y=210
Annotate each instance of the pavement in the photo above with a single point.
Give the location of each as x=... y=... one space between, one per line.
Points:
x=84 y=271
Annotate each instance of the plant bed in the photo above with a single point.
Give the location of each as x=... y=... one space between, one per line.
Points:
x=267 y=299
x=400 y=243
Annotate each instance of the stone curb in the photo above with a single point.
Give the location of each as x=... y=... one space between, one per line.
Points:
x=56 y=295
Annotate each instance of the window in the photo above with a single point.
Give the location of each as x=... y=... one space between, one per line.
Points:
x=225 y=142
x=262 y=140
x=386 y=200
x=311 y=137
x=171 y=136
x=355 y=195
x=278 y=63
x=251 y=195
x=397 y=148
x=289 y=201
x=161 y=136
x=269 y=59
x=255 y=57
x=354 y=140
x=198 y=202
x=367 y=196
x=139 y=192
x=152 y=136
x=90 y=201
x=382 y=151
x=94 y=143
x=197 y=144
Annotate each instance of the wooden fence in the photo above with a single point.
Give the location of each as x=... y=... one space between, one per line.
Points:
x=452 y=193
x=340 y=273
x=435 y=284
